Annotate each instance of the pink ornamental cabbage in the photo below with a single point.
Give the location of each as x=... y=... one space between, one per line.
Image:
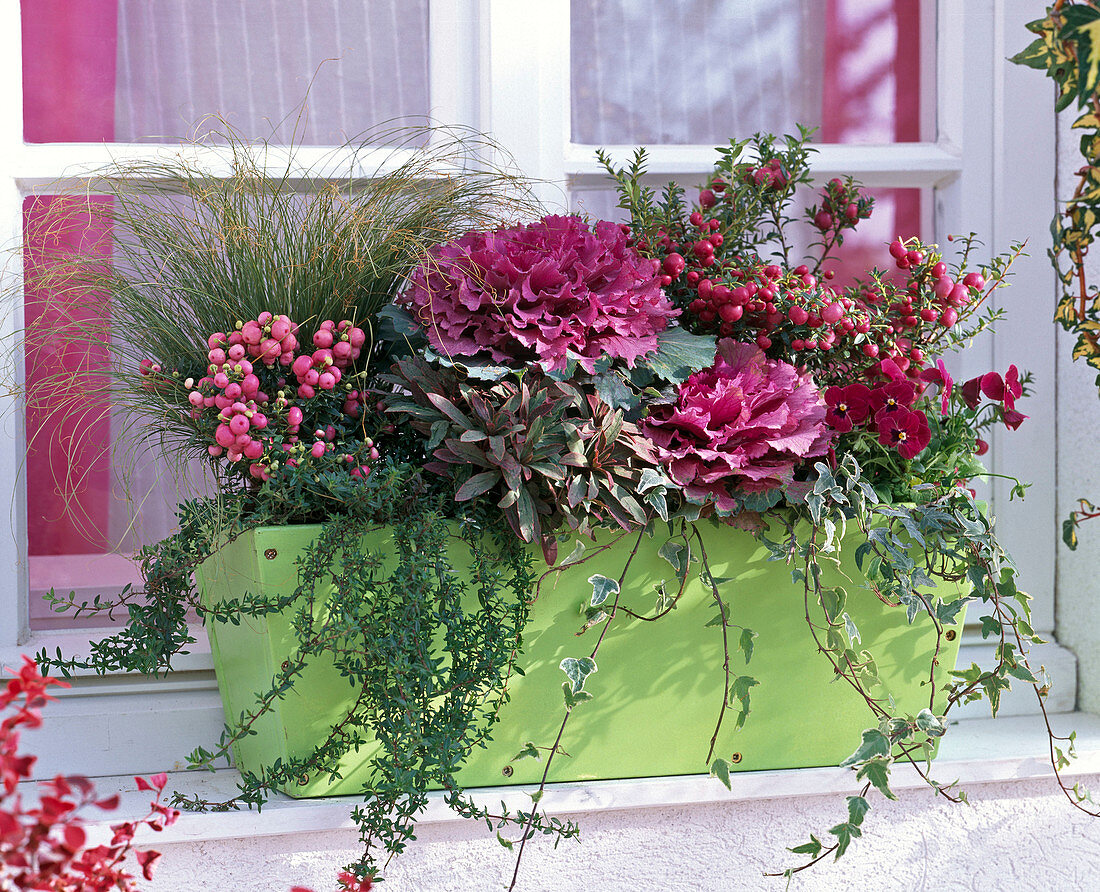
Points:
x=548 y=291
x=743 y=424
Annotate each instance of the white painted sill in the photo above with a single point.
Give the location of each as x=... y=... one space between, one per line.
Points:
x=975 y=751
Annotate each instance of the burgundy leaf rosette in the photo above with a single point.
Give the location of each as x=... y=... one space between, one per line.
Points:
x=743 y=424
x=548 y=291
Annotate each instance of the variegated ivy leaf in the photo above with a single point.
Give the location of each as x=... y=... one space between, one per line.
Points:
x=602 y=589
x=577 y=671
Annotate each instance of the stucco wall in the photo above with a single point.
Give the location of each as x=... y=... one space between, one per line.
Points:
x=1020 y=836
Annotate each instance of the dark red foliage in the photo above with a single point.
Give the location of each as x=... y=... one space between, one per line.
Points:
x=43 y=847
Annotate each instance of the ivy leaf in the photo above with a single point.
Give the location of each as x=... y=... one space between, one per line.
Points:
x=990 y=626
x=857 y=809
x=851 y=629
x=720 y=769
x=930 y=723
x=946 y=611
x=875 y=743
x=602 y=588
x=507 y=843
x=1082 y=26
x=529 y=751
x=1036 y=55
x=748 y=636
x=844 y=834
x=577 y=670
x=678 y=555
x=877 y=771
x=811 y=848
x=739 y=691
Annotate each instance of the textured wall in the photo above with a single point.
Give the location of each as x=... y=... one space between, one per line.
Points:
x=1020 y=836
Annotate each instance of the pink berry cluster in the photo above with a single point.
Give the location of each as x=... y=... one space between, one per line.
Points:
x=843 y=205
x=338 y=346
x=259 y=393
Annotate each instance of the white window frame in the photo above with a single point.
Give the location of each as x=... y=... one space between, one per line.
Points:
x=503 y=68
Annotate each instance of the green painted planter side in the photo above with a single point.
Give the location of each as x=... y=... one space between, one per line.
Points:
x=657 y=692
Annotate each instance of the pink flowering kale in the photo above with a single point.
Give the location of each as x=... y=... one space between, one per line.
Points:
x=743 y=424
x=549 y=291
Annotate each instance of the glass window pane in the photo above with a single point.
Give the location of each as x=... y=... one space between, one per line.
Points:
x=92 y=499
x=699 y=71
x=145 y=71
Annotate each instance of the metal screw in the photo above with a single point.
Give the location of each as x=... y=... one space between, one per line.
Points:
x=284 y=665
x=271 y=554
x=303 y=780
x=735 y=758
x=507 y=770
x=950 y=634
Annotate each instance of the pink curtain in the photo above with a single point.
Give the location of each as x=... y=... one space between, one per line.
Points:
x=69 y=50
x=872 y=61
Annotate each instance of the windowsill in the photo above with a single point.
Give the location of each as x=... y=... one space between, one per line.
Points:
x=976 y=751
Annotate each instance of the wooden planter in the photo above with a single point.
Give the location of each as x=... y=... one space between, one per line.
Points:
x=658 y=689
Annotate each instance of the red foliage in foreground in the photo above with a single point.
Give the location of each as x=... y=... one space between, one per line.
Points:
x=42 y=848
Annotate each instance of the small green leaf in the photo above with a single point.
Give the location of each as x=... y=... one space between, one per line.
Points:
x=577 y=670
x=602 y=589
x=875 y=743
x=748 y=636
x=720 y=769
x=529 y=751
x=811 y=848
x=930 y=724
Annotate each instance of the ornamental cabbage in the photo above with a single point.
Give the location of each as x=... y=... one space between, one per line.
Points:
x=546 y=292
x=743 y=424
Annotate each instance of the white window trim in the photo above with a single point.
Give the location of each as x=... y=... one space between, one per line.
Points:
x=980 y=143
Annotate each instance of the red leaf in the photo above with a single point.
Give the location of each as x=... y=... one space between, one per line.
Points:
x=75 y=837
x=148 y=861
x=159 y=780
x=108 y=804
x=143 y=784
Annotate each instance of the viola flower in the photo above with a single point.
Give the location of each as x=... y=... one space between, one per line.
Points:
x=971 y=392
x=550 y=291
x=898 y=394
x=848 y=406
x=941 y=377
x=903 y=429
x=745 y=423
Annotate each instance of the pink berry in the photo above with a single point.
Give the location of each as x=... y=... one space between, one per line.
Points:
x=357 y=338
x=939 y=270
x=216 y=340
x=264 y=317
x=317 y=449
x=897 y=249
x=280 y=328
x=763 y=342
x=833 y=313
x=215 y=450
x=195 y=398
x=870 y=350
x=730 y=312
x=259 y=421
x=224 y=436
x=302 y=365
x=949 y=317
x=823 y=220
x=306 y=391
x=294 y=415
x=326 y=381
x=673 y=264
x=235 y=352
x=706 y=199
x=943 y=287
x=251 y=333
x=323 y=338
x=221 y=380
x=216 y=356
x=238 y=425
x=974 y=280
x=960 y=294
